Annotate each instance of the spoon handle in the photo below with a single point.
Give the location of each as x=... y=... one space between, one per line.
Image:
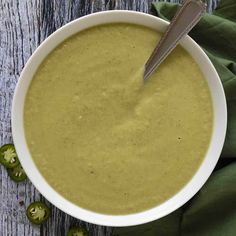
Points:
x=184 y=20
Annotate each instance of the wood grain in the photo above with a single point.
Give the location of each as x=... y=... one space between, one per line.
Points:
x=24 y=24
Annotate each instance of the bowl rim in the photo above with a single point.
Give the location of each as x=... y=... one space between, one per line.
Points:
x=180 y=198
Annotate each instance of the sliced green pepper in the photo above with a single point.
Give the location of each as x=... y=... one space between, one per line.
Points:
x=77 y=231
x=8 y=156
x=38 y=212
x=17 y=173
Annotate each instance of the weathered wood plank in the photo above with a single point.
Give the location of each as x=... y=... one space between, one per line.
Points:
x=18 y=39
x=24 y=24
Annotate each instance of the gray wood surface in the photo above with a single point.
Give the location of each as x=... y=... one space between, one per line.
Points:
x=24 y=24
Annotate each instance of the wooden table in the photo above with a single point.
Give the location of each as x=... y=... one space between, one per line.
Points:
x=24 y=24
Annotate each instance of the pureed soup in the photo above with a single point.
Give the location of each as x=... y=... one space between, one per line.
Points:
x=103 y=138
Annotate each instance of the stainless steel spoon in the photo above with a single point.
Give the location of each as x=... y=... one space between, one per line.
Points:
x=184 y=20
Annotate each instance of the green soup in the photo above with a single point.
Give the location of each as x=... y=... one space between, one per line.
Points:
x=103 y=138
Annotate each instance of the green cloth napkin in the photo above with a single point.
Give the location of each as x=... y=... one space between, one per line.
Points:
x=211 y=212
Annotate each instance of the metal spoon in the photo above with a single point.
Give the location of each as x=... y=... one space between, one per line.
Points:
x=184 y=20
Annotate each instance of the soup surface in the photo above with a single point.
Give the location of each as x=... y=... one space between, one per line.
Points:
x=103 y=138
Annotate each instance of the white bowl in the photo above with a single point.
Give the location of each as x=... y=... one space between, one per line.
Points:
x=191 y=188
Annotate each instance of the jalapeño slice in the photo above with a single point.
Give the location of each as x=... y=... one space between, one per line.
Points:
x=77 y=231
x=8 y=156
x=17 y=173
x=38 y=212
